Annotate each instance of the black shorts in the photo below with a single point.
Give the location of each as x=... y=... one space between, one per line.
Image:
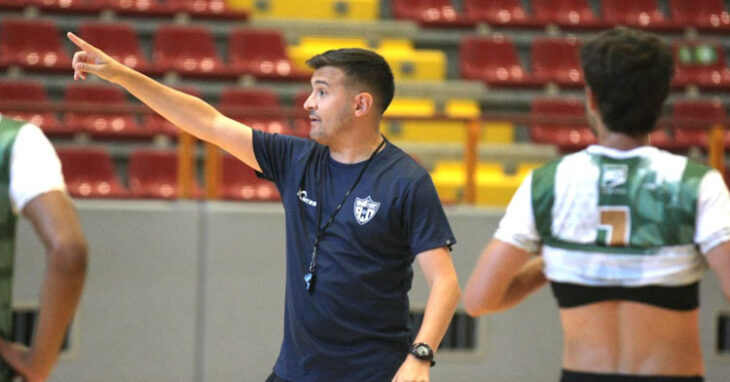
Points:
x=577 y=376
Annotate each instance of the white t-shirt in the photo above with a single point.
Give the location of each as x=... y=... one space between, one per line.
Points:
x=34 y=167
x=712 y=227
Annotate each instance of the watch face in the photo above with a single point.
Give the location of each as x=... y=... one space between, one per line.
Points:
x=422 y=351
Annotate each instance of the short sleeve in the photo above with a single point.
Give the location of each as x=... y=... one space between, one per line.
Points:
x=274 y=154
x=34 y=167
x=713 y=212
x=425 y=222
x=517 y=226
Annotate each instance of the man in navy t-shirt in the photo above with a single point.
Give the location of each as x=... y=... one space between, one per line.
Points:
x=358 y=212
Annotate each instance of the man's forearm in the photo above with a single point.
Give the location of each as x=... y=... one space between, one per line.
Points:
x=440 y=308
x=529 y=279
x=185 y=111
x=60 y=294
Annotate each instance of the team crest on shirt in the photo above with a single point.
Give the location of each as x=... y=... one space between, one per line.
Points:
x=365 y=209
x=614 y=176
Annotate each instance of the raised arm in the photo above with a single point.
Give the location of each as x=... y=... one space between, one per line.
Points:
x=55 y=222
x=189 y=113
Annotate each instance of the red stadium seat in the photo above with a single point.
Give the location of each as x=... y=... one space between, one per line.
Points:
x=566 y=13
x=700 y=63
x=149 y=8
x=188 y=50
x=493 y=60
x=261 y=53
x=218 y=9
x=31 y=93
x=156 y=124
x=32 y=44
x=566 y=136
x=635 y=13
x=556 y=60
x=153 y=174
x=101 y=124
x=687 y=111
x=256 y=101
x=71 y=6
x=701 y=14
x=15 y=4
x=89 y=173
x=239 y=182
x=498 y=12
x=117 y=40
x=436 y=13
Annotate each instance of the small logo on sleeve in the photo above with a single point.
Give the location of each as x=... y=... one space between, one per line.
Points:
x=365 y=209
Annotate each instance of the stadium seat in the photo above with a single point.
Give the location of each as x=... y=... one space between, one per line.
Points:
x=239 y=182
x=493 y=60
x=216 y=9
x=31 y=93
x=696 y=134
x=69 y=6
x=430 y=13
x=117 y=40
x=89 y=173
x=15 y=4
x=567 y=136
x=155 y=124
x=635 y=13
x=700 y=63
x=101 y=124
x=261 y=53
x=556 y=60
x=32 y=44
x=702 y=14
x=139 y=8
x=153 y=174
x=349 y=10
x=499 y=12
x=187 y=50
x=256 y=101
x=566 y=13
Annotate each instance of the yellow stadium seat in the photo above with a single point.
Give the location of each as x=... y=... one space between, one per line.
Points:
x=494 y=187
x=406 y=62
x=497 y=132
x=411 y=107
x=462 y=108
x=351 y=10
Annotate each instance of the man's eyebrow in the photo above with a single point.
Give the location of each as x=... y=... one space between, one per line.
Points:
x=322 y=82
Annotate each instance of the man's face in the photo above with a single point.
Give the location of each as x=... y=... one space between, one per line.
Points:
x=330 y=105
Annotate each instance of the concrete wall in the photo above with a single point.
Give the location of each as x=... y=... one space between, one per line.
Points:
x=187 y=291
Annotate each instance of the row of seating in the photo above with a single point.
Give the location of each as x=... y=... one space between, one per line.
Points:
x=261 y=109
x=255 y=107
x=709 y=15
x=691 y=117
x=191 y=51
x=90 y=173
x=216 y=9
x=495 y=61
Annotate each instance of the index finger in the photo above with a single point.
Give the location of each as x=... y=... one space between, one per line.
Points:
x=88 y=48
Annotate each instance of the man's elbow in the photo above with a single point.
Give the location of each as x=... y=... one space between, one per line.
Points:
x=70 y=257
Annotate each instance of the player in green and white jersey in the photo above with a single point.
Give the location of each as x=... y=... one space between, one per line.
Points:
x=623 y=231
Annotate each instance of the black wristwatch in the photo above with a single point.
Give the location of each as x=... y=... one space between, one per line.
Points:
x=422 y=351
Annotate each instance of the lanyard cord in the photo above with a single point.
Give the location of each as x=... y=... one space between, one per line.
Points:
x=310 y=276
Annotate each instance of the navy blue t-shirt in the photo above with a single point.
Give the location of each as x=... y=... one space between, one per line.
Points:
x=355 y=326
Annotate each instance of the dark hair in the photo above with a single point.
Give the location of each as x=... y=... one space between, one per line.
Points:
x=629 y=72
x=363 y=67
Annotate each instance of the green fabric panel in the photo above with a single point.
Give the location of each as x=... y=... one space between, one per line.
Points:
x=662 y=213
x=8 y=131
x=543 y=197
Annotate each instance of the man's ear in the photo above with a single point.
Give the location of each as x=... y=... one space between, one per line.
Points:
x=363 y=103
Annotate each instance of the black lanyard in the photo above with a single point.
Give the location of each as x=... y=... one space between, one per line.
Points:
x=311 y=276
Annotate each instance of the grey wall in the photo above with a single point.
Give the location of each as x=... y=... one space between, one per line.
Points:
x=187 y=291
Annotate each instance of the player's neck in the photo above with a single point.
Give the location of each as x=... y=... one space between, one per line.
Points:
x=623 y=142
x=356 y=148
